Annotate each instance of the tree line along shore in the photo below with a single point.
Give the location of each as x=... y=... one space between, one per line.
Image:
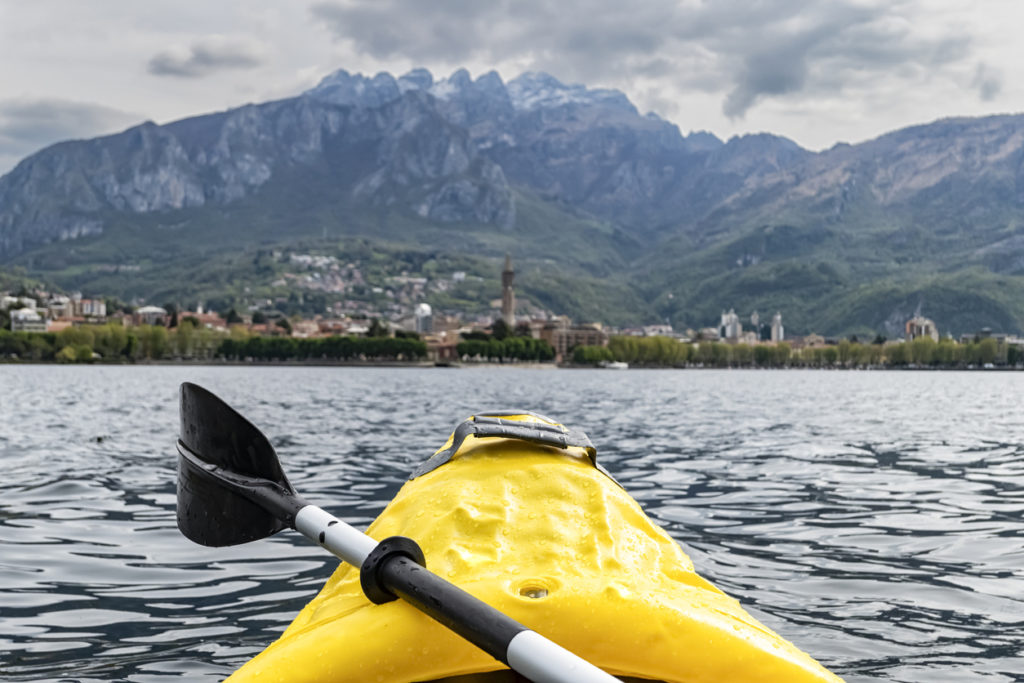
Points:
x=113 y=343
x=923 y=352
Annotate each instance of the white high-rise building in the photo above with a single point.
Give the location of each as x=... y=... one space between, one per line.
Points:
x=424 y=318
x=730 y=328
x=778 y=334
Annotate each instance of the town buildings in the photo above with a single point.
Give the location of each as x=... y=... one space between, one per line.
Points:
x=151 y=315
x=563 y=336
x=27 y=320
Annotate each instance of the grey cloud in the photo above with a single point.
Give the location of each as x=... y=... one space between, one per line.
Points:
x=26 y=125
x=745 y=51
x=571 y=39
x=392 y=28
x=829 y=50
x=988 y=83
x=205 y=56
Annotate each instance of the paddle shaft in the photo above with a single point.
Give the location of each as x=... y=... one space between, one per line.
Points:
x=505 y=639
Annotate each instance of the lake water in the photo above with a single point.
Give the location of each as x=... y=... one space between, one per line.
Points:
x=874 y=518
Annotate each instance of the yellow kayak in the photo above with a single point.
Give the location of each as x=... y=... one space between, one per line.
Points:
x=547 y=537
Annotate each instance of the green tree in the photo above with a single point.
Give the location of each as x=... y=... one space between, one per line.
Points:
x=183 y=339
x=705 y=354
x=625 y=349
x=78 y=334
x=897 y=354
x=782 y=354
x=153 y=341
x=720 y=354
x=131 y=346
x=495 y=350
x=110 y=340
x=1014 y=355
x=948 y=353
x=764 y=355
x=922 y=351
x=987 y=350
x=591 y=355
x=83 y=353
x=742 y=355
x=844 y=352
x=499 y=329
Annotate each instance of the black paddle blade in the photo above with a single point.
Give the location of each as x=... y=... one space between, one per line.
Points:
x=231 y=488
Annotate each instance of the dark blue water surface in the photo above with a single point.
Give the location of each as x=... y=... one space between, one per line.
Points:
x=874 y=518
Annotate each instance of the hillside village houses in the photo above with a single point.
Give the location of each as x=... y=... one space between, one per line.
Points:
x=45 y=312
x=51 y=312
x=31 y=314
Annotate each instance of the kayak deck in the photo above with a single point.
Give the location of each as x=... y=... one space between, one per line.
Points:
x=551 y=541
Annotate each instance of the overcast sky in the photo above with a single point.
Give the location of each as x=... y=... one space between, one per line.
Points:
x=817 y=72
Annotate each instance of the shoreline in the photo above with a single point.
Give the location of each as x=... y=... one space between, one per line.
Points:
x=527 y=365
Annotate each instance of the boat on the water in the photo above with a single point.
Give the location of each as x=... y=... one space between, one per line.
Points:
x=548 y=537
x=614 y=365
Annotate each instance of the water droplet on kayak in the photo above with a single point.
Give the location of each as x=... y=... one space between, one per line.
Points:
x=534 y=592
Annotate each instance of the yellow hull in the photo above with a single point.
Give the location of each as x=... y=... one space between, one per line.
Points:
x=548 y=539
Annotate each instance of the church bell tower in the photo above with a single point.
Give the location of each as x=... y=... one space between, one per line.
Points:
x=508 y=296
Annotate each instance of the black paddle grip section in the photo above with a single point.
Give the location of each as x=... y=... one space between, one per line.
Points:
x=370 y=573
x=473 y=619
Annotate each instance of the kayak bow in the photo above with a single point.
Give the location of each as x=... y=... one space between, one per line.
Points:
x=515 y=511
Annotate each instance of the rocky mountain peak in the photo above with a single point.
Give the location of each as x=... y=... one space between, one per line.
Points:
x=703 y=141
x=347 y=89
x=417 y=79
x=491 y=84
x=536 y=90
x=530 y=91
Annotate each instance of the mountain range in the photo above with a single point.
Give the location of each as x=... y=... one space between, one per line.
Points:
x=608 y=213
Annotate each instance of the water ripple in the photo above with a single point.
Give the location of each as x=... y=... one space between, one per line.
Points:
x=876 y=519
